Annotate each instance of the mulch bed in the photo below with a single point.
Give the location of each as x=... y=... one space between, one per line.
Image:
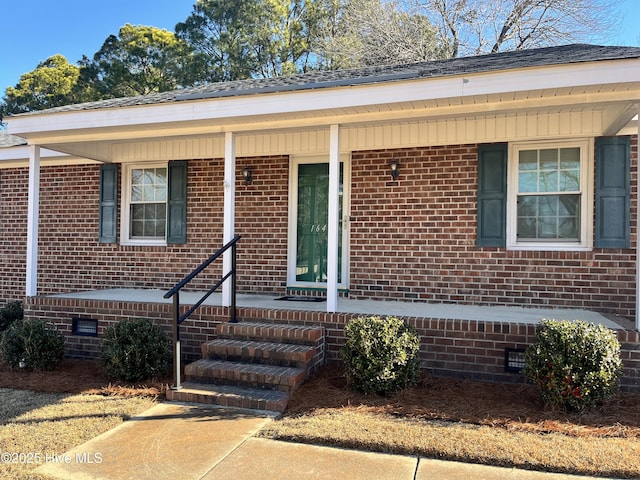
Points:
x=505 y=405
x=76 y=376
x=446 y=399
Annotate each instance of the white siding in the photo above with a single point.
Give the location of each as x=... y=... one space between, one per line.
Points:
x=490 y=128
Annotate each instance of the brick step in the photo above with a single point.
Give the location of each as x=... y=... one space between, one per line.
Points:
x=230 y=396
x=266 y=332
x=283 y=354
x=243 y=374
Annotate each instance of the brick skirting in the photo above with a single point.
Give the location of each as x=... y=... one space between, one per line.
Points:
x=461 y=348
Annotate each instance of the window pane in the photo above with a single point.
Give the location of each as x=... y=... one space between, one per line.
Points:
x=548 y=206
x=136 y=193
x=528 y=182
x=549 y=159
x=568 y=228
x=547 y=227
x=548 y=217
x=568 y=205
x=528 y=160
x=527 y=206
x=527 y=228
x=548 y=181
x=570 y=158
x=148 y=220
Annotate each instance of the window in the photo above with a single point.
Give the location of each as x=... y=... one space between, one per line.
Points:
x=144 y=218
x=549 y=199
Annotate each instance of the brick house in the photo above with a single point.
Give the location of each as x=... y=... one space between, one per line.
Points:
x=504 y=180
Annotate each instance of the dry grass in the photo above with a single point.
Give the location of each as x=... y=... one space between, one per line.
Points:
x=493 y=424
x=60 y=410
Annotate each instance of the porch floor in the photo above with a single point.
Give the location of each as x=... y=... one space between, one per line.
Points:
x=503 y=314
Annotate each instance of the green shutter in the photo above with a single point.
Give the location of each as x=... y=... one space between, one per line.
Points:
x=492 y=195
x=612 y=223
x=177 y=203
x=108 y=203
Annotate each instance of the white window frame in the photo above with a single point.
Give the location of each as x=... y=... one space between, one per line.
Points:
x=585 y=242
x=125 y=212
x=292 y=283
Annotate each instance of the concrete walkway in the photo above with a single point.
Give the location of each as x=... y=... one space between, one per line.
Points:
x=189 y=442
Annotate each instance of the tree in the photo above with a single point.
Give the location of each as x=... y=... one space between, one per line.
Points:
x=237 y=39
x=473 y=27
x=138 y=61
x=54 y=82
x=219 y=32
x=375 y=32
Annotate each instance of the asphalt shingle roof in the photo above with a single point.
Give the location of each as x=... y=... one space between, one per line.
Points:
x=7 y=140
x=539 y=57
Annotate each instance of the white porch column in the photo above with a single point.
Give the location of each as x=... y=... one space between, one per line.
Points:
x=33 y=215
x=229 y=209
x=333 y=218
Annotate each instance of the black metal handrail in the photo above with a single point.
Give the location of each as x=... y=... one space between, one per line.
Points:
x=175 y=293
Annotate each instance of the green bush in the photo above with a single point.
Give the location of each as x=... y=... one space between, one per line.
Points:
x=381 y=354
x=576 y=365
x=134 y=350
x=35 y=342
x=11 y=312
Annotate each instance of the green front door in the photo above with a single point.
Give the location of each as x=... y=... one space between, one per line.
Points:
x=312 y=223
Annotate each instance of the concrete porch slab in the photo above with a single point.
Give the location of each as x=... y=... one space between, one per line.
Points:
x=503 y=314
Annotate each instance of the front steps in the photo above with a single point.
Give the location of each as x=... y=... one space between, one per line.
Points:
x=252 y=365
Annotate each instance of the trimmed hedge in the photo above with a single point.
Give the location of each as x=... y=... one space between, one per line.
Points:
x=11 y=312
x=575 y=365
x=33 y=344
x=134 y=350
x=381 y=354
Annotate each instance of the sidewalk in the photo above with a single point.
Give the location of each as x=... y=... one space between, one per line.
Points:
x=190 y=442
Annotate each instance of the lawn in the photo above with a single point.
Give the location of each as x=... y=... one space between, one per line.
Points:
x=494 y=424
x=37 y=426
x=47 y=413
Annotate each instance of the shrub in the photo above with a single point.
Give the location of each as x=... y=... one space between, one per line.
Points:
x=11 y=312
x=575 y=364
x=381 y=354
x=134 y=350
x=35 y=342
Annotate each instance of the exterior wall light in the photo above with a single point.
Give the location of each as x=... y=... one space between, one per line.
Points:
x=247 y=175
x=394 y=166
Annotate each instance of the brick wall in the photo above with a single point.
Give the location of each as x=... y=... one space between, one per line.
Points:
x=71 y=259
x=461 y=348
x=13 y=233
x=411 y=239
x=414 y=239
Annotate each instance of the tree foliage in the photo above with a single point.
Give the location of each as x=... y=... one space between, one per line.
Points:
x=140 y=60
x=236 y=39
x=54 y=82
x=374 y=32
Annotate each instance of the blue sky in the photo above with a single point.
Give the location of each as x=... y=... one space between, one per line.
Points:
x=33 y=30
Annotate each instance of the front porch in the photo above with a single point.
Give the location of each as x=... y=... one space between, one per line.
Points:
x=499 y=314
x=457 y=340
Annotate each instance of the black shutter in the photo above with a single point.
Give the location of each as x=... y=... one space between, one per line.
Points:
x=492 y=195
x=177 y=203
x=108 y=203
x=612 y=192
